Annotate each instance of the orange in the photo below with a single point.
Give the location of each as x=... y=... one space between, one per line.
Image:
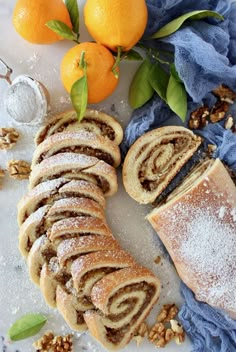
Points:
x=30 y=16
x=116 y=23
x=101 y=80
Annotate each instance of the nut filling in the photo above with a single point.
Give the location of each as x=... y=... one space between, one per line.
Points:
x=159 y=162
x=115 y=335
x=89 y=151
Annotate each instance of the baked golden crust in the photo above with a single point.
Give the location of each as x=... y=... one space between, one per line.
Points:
x=93 y=121
x=76 y=166
x=82 y=142
x=198 y=226
x=155 y=159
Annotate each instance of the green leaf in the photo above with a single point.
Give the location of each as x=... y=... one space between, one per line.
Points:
x=140 y=90
x=177 y=97
x=132 y=55
x=174 y=73
x=27 y=326
x=61 y=29
x=79 y=96
x=174 y=25
x=73 y=10
x=158 y=78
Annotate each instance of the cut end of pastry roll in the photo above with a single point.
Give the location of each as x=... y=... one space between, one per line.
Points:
x=93 y=121
x=76 y=166
x=123 y=300
x=197 y=225
x=155 y=159
x=81 y=142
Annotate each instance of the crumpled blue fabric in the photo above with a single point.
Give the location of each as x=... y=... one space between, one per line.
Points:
x=205 y=57
x=225 y=141
x=210 y=329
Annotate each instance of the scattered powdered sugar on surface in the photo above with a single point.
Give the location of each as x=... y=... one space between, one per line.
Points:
x=207 y=245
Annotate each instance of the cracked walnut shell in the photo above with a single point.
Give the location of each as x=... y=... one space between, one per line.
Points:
x=8 y=137
x=18 y=169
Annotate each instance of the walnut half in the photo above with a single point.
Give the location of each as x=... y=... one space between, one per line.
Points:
x=18 y=169
x=8 y=138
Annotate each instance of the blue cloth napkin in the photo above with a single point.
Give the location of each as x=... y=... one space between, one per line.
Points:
x=205 y=57
x=209 y=329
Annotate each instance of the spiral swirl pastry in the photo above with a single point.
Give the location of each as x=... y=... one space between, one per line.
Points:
x=123 y=300
x=93 y=121
x=76 y=166
x=155 y=159
x=81 y=142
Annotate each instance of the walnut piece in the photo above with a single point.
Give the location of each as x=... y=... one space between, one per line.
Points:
x=157 y=260
x=225 y=94
x=50 y=343
x=179 y=333
x=2 y=175
x=168 y=312
x=218 y=111
x=141 y=333
x=166 y=328
x=18 y=169
x=8 y=138
x=198 y=118
x=229 y=123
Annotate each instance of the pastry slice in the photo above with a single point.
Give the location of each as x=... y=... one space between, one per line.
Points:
x=154 y=160
x=90 y=268
x=31 y=229
x=122 y=301
x=76 y=166
x=81 y=142
x=48 y=192
x=93 y=121
x=197 y=225
x=73 y=207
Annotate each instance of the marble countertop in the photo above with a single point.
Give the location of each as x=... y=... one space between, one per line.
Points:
x=126 y=218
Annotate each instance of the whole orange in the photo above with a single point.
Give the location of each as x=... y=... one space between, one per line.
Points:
x=99 y=60
x=30 y=17
x=116 y=23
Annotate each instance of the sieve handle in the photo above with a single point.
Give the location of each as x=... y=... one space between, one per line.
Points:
x=7 y=76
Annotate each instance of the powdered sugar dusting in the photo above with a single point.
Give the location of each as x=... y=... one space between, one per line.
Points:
x=206 y=244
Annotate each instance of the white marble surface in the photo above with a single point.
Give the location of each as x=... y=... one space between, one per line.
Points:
x=126 y=218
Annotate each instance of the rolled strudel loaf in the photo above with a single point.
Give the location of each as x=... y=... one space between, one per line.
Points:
x=155 y=159
x=197 y=224
x=70 y=250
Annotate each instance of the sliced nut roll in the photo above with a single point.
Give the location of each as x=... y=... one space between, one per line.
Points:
x=93 y=121
x=73 y=207
x=155 y=159
x=76 y=166
x=53 y=273
x=81 y=142
x=31 y=229
x=90 y=268
x=122 y=301
x=49 y=191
